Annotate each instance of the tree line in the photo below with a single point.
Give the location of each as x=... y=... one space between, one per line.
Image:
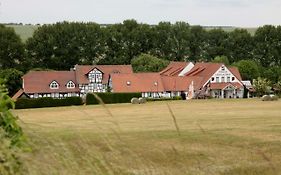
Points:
x=62 y=45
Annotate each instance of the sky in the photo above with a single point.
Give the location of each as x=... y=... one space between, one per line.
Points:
x=239 y=13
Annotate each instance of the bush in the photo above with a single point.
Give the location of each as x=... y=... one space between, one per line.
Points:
x=164 y=99
x=109 y=97
x=25 y=103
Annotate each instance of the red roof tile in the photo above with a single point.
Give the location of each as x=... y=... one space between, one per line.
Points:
x=137 y=82
x=174 y=68
x=180 y=83
x=224 y=85
x=18 y=95
x=83 y=70
x=39 y=81
x=206 y=70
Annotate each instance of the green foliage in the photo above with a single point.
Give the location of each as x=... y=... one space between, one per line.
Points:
x=221 y=59
x=217 y=40
x=60 y=46
x=267 y=45
x=240 y=45
x=11 y=48
x=11 y=136
x=164 y=99
x=262 y=86
x=148 y=63
x=12 y=79
x=248 y=69
x=24 y=103
x=109 y=98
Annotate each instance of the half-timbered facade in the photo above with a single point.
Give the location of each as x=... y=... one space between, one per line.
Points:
x=195 y=81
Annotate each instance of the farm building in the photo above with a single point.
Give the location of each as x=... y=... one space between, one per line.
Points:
x=198 y=80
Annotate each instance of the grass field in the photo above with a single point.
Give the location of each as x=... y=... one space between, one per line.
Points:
x=24 y=31
x=214 y=137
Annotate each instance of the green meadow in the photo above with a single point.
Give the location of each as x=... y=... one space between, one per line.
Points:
x=227 y=137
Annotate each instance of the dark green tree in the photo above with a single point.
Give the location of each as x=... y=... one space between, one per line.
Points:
x=197 y=45
x=125 y=41
x=148 y=63
x=221 y=59
x=240 y=45
x=217 y=40
x=11 y=48
x=248 y=69
x=12 y=80
x=267 y=45
x=62 y=45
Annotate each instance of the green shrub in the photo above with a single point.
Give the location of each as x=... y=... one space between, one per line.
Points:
x=164 y=99
x=25 y=103
x=109 y=97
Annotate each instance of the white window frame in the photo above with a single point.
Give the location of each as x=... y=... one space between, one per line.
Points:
x=70 y=85
x=54 y=85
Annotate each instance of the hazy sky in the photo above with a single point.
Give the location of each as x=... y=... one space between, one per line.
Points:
x=243 y=13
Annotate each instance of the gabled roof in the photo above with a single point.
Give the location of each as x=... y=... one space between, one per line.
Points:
x=207 y=70
x=39 y=81
x=82 y=71
x=174 y=68
x=19 y=94
x=224 y=85
x=137 y=82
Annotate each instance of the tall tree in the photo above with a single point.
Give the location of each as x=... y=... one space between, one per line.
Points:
x=240 y=45
x=148 y=63
x=125 y=41
x=12 y=80
x=62 y=45
x=216 y=44
x=11 y=48
x=197 y=45
x=248 y=68
x=267 y=45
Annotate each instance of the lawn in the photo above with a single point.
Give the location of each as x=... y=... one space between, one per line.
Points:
x=213 y=137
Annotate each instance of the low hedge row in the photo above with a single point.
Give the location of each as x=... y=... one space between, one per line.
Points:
x=164 y=99
x=25 y=103
x=109 y=97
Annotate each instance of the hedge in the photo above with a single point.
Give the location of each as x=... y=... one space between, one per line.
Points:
x=109 y=97
x=164 y=99
x=25 y=103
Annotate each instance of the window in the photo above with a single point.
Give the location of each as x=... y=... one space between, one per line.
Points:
x=213 y=78
x=70 y=85
x=233 y=78
x=54 y=85
x=222 y=79
x=217 y=79
x=223 y=68
x=228 y=79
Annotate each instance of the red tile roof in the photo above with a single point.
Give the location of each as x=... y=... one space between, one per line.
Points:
x=180 y=83
x=18 y=94
x=224 y=85
x=206 y=70
x=39 y=81
x=174 y=68
x=137 y=82
x=83 y=70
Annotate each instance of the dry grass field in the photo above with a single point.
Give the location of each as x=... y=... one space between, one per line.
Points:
x=214 y=137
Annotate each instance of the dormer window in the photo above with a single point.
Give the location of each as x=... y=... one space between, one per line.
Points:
x=54 y=85
x=70 y=85
x=128 y=83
